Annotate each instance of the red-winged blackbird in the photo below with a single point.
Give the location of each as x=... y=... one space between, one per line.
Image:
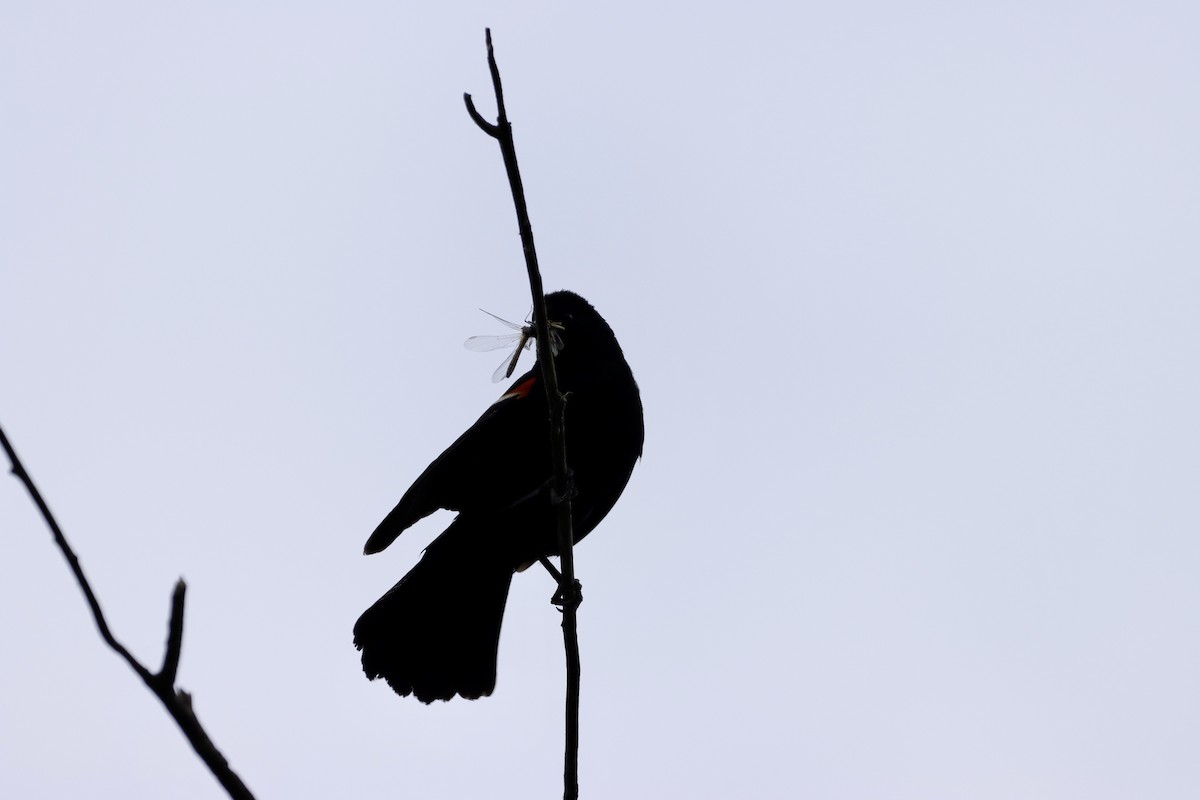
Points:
x=436 y=632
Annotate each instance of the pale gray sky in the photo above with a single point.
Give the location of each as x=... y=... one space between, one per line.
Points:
x=911 y=293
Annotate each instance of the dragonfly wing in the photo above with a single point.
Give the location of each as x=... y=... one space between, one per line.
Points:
x=483 y=344
x=515 y=326
x=504 y=370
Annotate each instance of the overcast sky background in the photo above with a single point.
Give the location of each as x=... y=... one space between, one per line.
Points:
x=911 y=292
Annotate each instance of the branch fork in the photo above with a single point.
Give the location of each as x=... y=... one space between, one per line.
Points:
x=162 y=683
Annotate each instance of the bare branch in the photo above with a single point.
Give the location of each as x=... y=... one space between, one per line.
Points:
x=485 y=126
x=178 y=704
x=568 y=586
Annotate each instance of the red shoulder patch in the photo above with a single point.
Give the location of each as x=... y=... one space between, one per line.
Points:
x=521 y=390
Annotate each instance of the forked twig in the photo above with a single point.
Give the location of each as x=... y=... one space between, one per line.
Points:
x=162 y=683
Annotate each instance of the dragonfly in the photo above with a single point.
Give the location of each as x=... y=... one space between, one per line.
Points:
x=523 y=337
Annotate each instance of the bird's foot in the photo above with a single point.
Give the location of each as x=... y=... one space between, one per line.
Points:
x=568 y=596
x=568 y=493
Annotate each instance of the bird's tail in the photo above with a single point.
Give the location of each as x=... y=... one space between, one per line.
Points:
x=435 y=633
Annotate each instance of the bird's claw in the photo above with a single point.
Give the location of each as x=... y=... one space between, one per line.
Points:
x=571 y=598
x=569 y=494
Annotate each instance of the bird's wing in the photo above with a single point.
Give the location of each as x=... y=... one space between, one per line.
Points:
x=500 y=460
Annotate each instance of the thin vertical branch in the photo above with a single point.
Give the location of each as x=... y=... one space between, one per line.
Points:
x=562 y=489
x=162 y=684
